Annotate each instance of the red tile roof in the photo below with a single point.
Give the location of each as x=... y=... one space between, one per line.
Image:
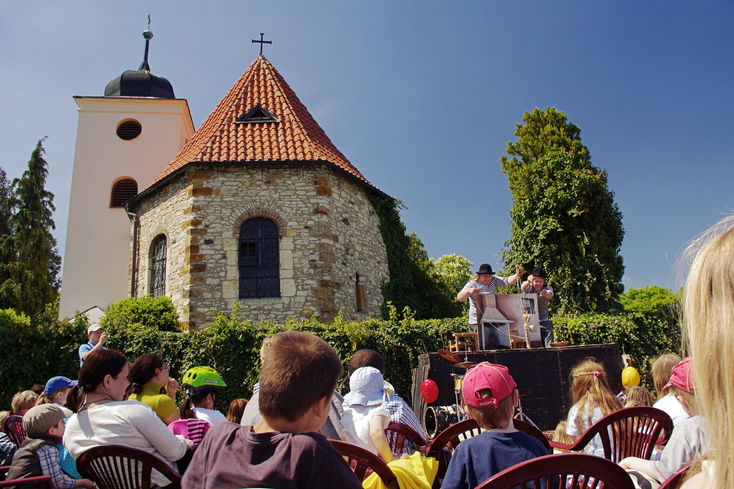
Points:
x=297 y=137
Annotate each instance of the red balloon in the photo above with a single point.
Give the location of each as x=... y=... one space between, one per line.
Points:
x=429 y=390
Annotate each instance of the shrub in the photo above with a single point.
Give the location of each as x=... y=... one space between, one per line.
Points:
x=146 y=311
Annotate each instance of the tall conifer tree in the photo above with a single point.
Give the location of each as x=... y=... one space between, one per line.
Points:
x=31 y=278
x=564 y=217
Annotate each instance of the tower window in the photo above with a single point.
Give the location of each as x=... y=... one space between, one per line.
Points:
x=122 y=191
x=259 y=261
x=158 y=266
x=129 y=129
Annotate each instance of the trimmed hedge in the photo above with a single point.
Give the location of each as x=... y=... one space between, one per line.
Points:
x=34 y=353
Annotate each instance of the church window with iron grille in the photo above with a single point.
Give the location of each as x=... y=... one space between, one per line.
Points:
x=158 y=266
x=259 y=260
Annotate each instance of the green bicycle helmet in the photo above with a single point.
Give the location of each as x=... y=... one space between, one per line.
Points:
x=203 y=377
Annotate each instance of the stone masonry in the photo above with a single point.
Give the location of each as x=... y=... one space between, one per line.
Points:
x=331 y=249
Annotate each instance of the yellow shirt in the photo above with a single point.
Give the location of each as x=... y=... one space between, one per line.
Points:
x=161 y=404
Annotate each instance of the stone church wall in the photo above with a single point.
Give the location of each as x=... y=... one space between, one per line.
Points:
x=329 y=236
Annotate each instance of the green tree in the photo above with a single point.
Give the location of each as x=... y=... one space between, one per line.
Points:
x=564 y=218
x=7 y=254
x=652 y=299
x=453 y=270
x=32 y=276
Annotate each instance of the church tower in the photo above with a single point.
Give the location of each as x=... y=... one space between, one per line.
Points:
x=124 y=140
x=259 y=208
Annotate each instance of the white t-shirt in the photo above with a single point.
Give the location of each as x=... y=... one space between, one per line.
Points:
x=212 y=415
x=595 y=447
x=669 y=403
x=129 y=423
x=356 y=423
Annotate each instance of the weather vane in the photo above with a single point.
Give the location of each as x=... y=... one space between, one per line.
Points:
x=261 y=42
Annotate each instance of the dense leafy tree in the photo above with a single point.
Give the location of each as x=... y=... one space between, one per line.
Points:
x=453 y=270
x=31 y=277
x=7 y=254
x=652 y=298
x=413 y=282
x=564 y=217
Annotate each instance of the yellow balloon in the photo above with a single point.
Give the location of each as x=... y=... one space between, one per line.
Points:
x=630 y=377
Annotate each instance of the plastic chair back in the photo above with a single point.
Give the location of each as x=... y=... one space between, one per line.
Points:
x=533 y=431
x=122 y=467
x=398 y=433
x=363 y=463
x=560 y=471
x=448 y=440
x=14 y=429
x=36 y=482
x=629 y=432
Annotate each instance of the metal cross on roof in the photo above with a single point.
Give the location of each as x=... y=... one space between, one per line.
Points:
x=261 y=42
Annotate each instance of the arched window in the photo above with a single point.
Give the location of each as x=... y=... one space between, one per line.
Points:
x=122 y=191
x=158 y=266
x=259 y=260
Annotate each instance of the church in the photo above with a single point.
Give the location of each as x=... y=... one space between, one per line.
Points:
x=256 y=207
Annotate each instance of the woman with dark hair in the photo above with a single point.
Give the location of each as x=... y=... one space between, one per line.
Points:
x=104 y=418
x=148 y=375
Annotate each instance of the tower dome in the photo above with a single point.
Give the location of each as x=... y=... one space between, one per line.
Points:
x=140 y=82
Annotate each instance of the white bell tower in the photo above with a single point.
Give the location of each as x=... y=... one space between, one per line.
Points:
x=125 y=139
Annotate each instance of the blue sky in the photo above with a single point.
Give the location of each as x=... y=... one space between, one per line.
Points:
x=422 y=97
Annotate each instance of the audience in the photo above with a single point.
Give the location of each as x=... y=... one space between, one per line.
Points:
x=104 y=418
x=201 y=385
x=637 y=396
x=708 y=318
x=398 y=410
x=687 y=442
x=365 y=416
x=662 y=367
x=38 y=455
x=236 y=409
x=22 y=402
x=56 y=392
x=296 y=384
x=7 y=447
x=592 y=400
x=97 y=338
x=149 y=374
x=490 y=397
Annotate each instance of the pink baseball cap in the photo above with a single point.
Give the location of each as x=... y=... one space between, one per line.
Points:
x=682 y=376
x=490 y=376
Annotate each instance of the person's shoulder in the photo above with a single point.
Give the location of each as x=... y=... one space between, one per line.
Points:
x=530 y=443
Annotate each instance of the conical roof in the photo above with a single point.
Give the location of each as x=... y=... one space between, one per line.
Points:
x=260 y=120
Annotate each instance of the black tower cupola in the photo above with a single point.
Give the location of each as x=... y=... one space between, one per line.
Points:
x=140 y=82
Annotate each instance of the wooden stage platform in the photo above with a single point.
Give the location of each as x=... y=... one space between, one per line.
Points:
x=541 y=375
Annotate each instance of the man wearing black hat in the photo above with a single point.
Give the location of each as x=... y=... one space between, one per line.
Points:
x=535 y=284
x=484 y=282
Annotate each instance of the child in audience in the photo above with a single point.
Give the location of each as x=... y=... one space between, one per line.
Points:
x=297 y=379
x=637 y=396
x=38 y=455
x=490 y=397
x=56 y=392
x=22 y=402
x=201 y=385
x=592 y=400
x=560 y=436
x=662 y=367
x=365 y=415
x=7 y=447
x=687 y=442
x=236 y=408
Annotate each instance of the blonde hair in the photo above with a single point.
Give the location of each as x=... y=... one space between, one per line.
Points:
x=638 y=396
x=590 y=389
x=662 y=366
x=708 y=318
x=560 y=436
x=4 y=415
x=23 y=400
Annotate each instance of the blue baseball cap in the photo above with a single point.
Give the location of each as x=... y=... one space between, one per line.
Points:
x=57 y=383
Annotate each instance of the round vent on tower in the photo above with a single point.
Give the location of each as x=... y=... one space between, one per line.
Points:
x=129 y=129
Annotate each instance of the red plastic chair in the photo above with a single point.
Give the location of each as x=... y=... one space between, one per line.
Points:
x=122 y=467
x=14 y=429
x=560 y=471
x=448 y=440
x=41 y=480
x=675 y=479
x=398 y=433
x=629 y=432
x=533 y=431
x=363 y=463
